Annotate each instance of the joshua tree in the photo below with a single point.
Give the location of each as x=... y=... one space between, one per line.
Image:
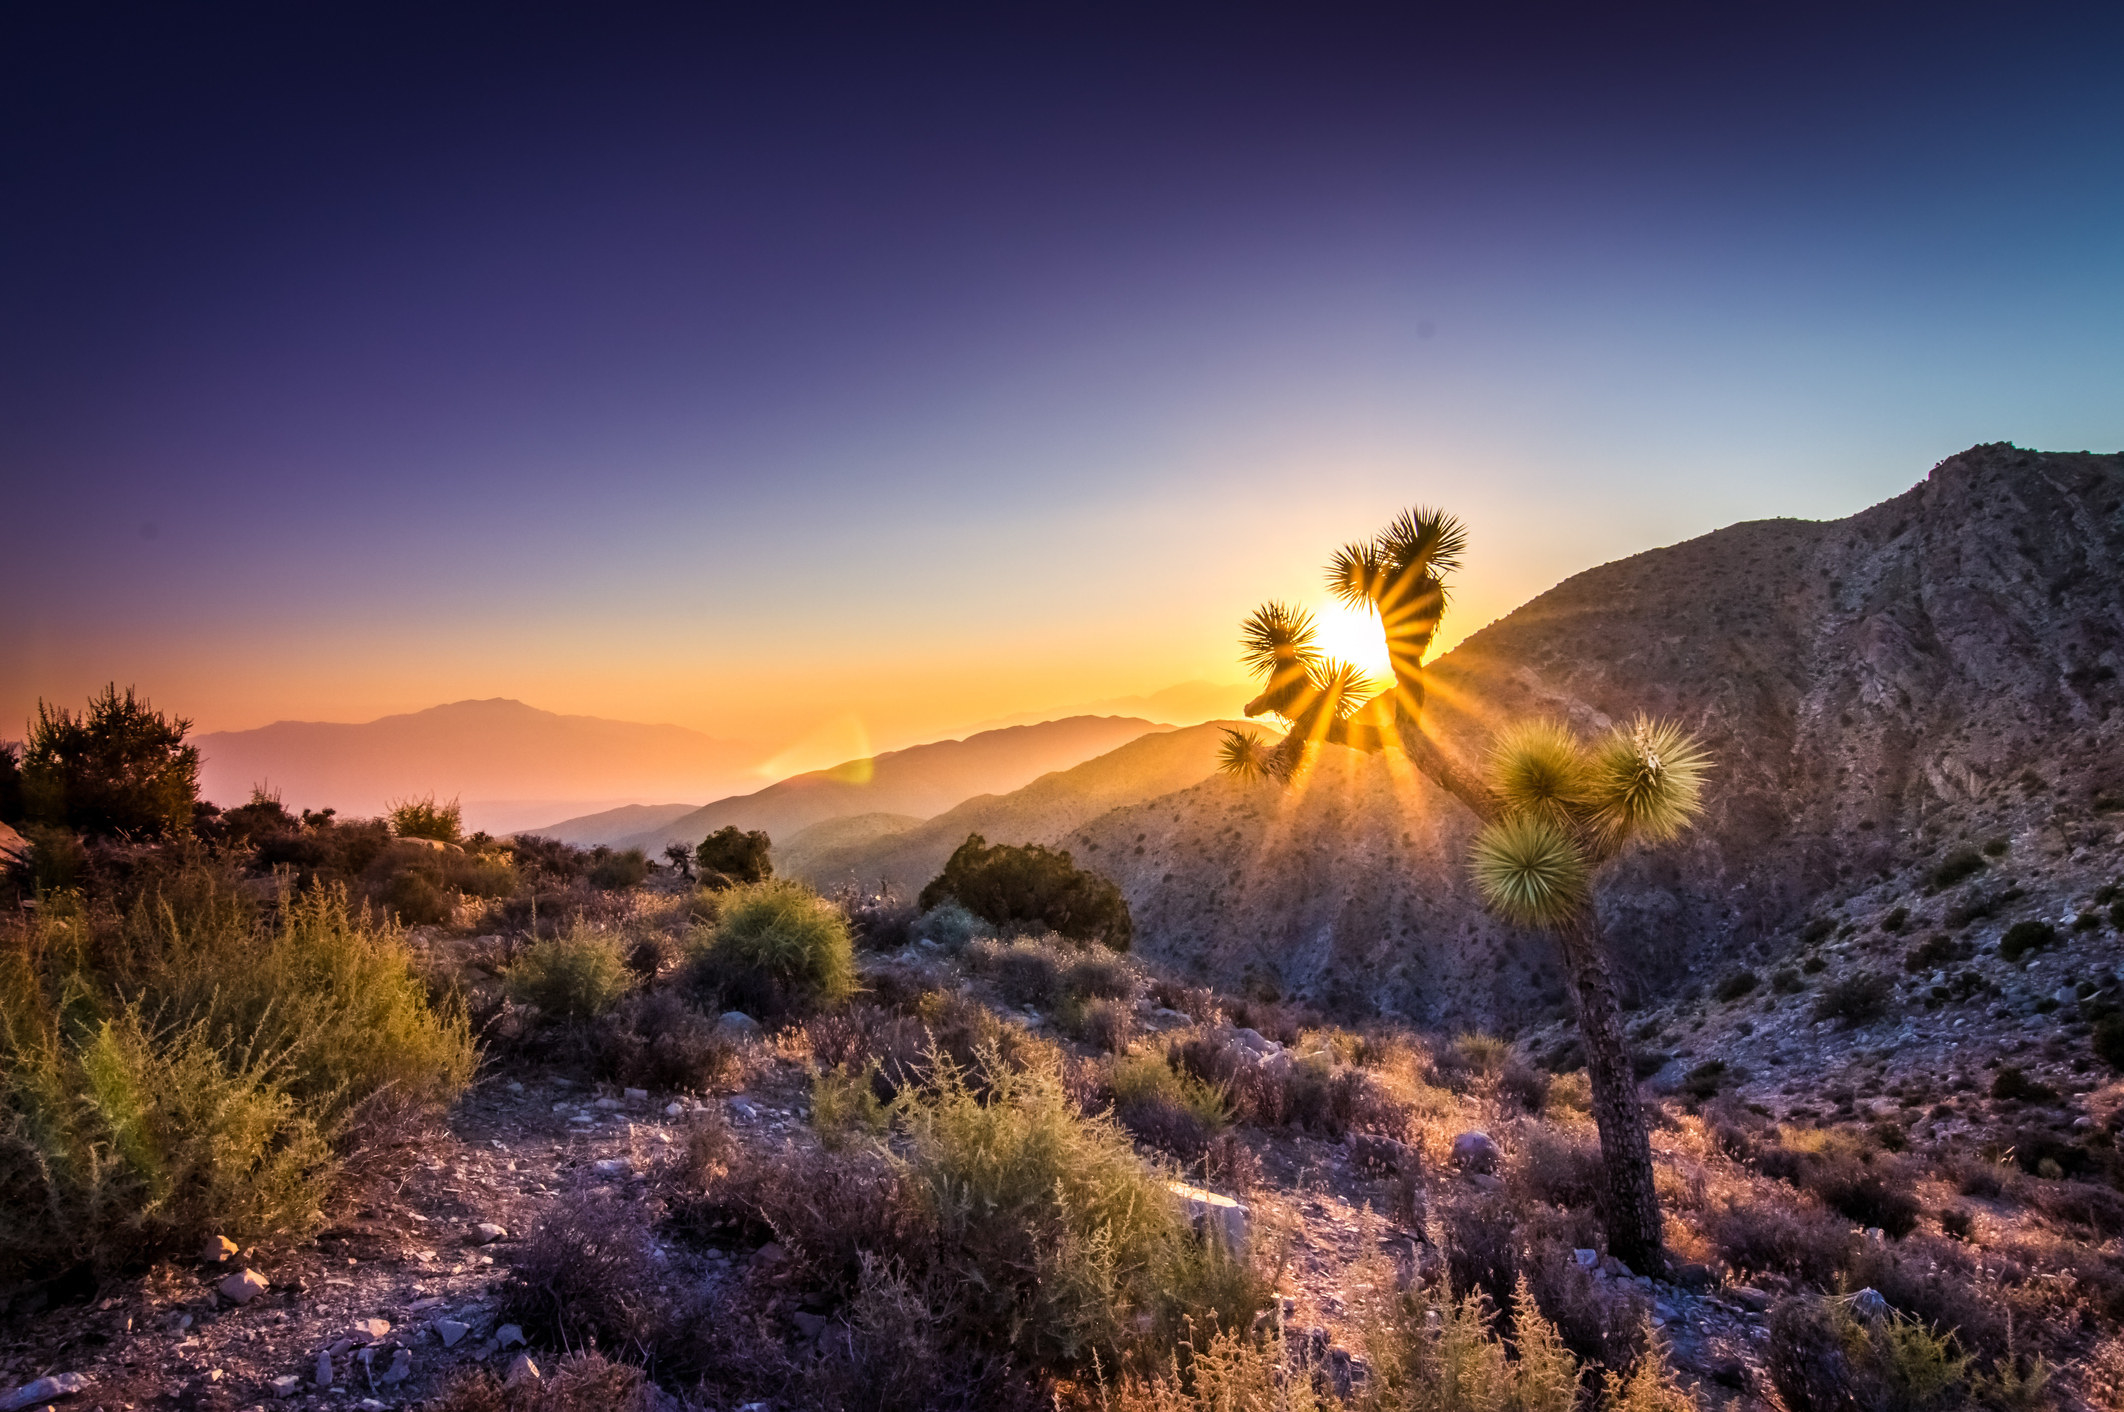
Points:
x=1553 y=809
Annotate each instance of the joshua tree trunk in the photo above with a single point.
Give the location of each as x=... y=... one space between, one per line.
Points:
x=1630 y=1202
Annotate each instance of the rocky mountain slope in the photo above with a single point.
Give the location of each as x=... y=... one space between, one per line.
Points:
x=611 y=825
x=1934 y=673
x=1042 y=812
x=922 y=780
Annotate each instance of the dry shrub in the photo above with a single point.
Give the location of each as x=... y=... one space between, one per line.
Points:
x=778 y=949
x=1937 y=1282
x=1562 y=1168
x=1824 y=1358
x=1107 y=1025
x=655 y=1040
x=582 y=1382
x=588 y=1273
x=1776 y=1235
x=1601 y=1321
x=1870 y=1188
x=2098 y=1209
x=1172 y=1111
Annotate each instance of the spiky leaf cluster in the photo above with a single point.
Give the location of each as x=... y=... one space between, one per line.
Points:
x=1649 y=779
x=1277 y=635
x=1422 y=543
x=1244 y=754
x=1530 y=869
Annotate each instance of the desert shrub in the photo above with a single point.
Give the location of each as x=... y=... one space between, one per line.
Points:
x=1957 y=866
x=1822 y=1356
x=416 y=899
x=1024 y=972
x=655 y=1040
x=879 y=920
x=583 y=1381
x=120 y=768
x=13 y=812
x=845 y=1104
x=578 y=976
x=2024 y=937
x=587 y=1272
x=1521 y=1083
x=950 y=926
x=616 y=870
x=2012 y=1082
x=1779 y=1237
x=1868 y=1195
x=2108 y=1040
x=778 y=948
x=1100 y=976
x=1010 y=885
x=191 y=1066
x=1468 y=1059
x=548 y=857
x=1857 y=999
x=1934 y=952
x=1106 y=1025
x=1737 y=984
x=1896 y=920
x=731 y=857
x=424 y=818
x=1174 y=1112
x=1557 y=1166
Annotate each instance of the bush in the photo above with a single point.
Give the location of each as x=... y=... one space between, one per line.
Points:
x=1800 y=1242
x=548 y=857
x=1174 y=1112
x=584 y=1381
x=1738 y=984
x=1032 y=885
x=2024 y=937
x=1896 y=920
x=616 y=870
x=2012 y=1083
x=424 y=818
x=2109 y=1040
x=1857 y=999
x=571 y=978
x=881 y=920
x=731 y=857
x=189 y=1068
x=950 y=926
x=1824 y=1358
x=120 y=768
x=1955 y=867
x=778 y=948
x=654 y=1040
x=587 y=1273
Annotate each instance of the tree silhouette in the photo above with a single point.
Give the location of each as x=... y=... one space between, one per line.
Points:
x=1553 y=809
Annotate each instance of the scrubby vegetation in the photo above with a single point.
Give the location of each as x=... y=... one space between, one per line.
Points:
x=732 y=857
x=1009 y=886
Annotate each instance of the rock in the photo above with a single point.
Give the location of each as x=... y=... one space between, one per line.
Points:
x=323 y=1376
x=612 y=1167
x=1587 y=1259
x=744 y=1108
x=635 y=1095
x=1256 y=1041
x=1209 y=1212
x=509 y=1336
x=422 y=1306
x=486 y=1233
x=521 y=1371
x=1474 y=1152
x=736 y=1024
x=369 y=1331
x=674 y=1110
x=450 y=1331
x=1869 y=1305
x=513 y=1086
x=1749 y=1298
x=44 y=1390
x=1692 y=1277
x=809 y=1325
x=769 y=1255
x=242 y=1287
x=1373 y=1153
x=218 y=1250
x=401 y=1367
x=608 y=1105
x=286 y=1385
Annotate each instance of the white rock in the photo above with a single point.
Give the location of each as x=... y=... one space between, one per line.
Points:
x=44 y=1390
x=509 y=1336
x=608 y=1105
x=738 y=1025
x=242 y=1287
x=286 y=1385
x=674 y=1110
x=611 y=1167
x=1210 y=1211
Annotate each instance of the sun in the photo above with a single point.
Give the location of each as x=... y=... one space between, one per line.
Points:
x=1354 y=637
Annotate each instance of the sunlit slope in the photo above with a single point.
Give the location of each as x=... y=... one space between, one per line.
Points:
x=1940 y=670
x=1042 y=812
x=922 y=780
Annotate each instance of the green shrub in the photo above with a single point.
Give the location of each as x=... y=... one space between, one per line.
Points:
x=575 y=977
x=950 y=926
x=119 y=768
x=416 y=898
x=1857 y=999
x=1738 y=984
x=777 y=947
x=1895 y=921
x=424 y=818
x=1824 y=1358
x=1009 y=885
x=2024 y=937
x=1996 y=847
x=1962 y=863
x=844 y=1104
x=189 y=1067
x=731 y=857
x=615 y=870
x=2012 y=1082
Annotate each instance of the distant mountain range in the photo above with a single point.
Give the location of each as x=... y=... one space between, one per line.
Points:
x=871 y=849
x=509 y=764
x=1189 y=703
x=920 y=781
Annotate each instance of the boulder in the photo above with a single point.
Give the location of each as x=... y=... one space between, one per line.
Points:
x=44 y=1390
x=1474 y=1152
x=242 y=1287
x=509 y=1336
x=736 y=1024
x=485 y=1233
x=1214 y=1214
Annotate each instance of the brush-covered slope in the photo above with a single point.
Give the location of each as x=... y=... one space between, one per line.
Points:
x=1042 y=812
x=797 y=854
x=922 y=780
x=1936 y=672
x=612 y=825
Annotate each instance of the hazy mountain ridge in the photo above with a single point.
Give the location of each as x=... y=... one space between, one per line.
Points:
x=922 y=780
x=1877 y=690
x=499 y=756
x=1044 y=811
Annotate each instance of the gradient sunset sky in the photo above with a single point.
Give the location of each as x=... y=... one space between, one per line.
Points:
x=911 y=367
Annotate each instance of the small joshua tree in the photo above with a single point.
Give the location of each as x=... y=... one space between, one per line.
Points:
x=1553 y=809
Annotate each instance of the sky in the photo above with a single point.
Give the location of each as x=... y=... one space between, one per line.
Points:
x=889 y=369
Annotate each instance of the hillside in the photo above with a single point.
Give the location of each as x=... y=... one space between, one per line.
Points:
x=921 y=780
x=1931 y=674
x=1041 y=812
x=611 y=825
x=511 y=765
x=851 y=833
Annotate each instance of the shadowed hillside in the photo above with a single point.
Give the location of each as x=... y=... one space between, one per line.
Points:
x=1042 y=812
x=1878 y=691
x=921 y=780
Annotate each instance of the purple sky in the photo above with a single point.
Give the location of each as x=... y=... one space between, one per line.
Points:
x=914 y=368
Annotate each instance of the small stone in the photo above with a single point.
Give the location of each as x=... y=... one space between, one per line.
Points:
x=514 y=1086
x=612 y=1167
x=509 y=1336
x=635 y=1095
x=608 y=1105
x=1474 y=1152
x=286 y=1385
x=44 y=1390
x=744 y=1108
x=1748 y=1297
x=450 y=1331
x=1210 y=1212
x=809 y=1325
x=323 y=1376
x=486 y=1233
x=1375 y=1153
x=521 y=1371
x=422 y=1306
x=369 y=1331
x=242 y=1287
x=401 y=1367
x=218 y=1250
x=1483 y=1181
x=1869 y=1305
x=1587 y=1259
x=674 y=1110
x=770 y=1254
